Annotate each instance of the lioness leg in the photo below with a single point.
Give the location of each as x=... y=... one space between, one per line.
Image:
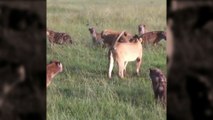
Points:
x=121 y=68
x=125 y=64
x=138 y=64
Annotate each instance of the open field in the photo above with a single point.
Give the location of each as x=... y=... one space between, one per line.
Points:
x=83 y=91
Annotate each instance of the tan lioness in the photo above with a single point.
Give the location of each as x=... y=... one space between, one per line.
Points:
x=123 y=53
x=53 y=68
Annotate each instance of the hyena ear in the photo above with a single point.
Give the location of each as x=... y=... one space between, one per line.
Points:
x=58 y=63
x=150 y=69
x=125 y=33
x=60 y=66
x=136 y=36
x=90 y=28
x=51 y=62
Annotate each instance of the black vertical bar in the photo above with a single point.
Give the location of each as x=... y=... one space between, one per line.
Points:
x=22 y=60
x=190 y=83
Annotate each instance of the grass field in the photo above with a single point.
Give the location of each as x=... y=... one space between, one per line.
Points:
x=83 y=91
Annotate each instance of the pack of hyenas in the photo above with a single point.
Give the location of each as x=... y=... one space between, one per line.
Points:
x=123 y=47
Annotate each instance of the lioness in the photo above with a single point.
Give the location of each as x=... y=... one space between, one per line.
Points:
x=122 y=53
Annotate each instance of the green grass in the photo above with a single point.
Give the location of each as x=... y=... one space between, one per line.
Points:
x=83 y=91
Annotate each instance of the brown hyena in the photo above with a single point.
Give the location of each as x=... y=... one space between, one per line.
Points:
x=109 y=37
x=159 y=84
x=53 y=68
x=153 y=37
x=58 y=37
x=96 y=37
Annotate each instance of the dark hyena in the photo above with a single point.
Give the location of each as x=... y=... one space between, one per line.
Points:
x=153 y=37
x=96 y=37
x=159 y=84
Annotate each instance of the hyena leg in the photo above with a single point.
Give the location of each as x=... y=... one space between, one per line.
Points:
x=138 y=64
x=155 y=42
x=111 y=64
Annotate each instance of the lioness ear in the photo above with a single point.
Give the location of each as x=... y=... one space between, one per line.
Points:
x=140 y=40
